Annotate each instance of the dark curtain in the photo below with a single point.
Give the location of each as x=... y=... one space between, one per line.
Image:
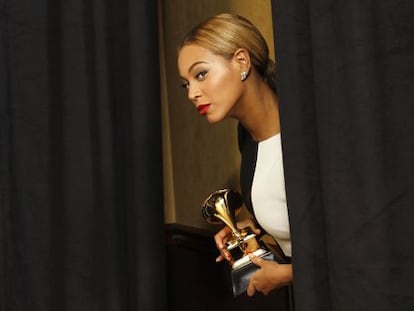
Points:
x=81 y=214
x=346 y=85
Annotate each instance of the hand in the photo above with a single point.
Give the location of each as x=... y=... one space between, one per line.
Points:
x=225 y=234
x=270 y=276
x=221 y=238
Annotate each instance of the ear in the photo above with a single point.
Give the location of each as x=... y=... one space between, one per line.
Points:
x=242 y=57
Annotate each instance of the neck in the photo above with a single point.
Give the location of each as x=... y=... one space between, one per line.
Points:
x=260 y=116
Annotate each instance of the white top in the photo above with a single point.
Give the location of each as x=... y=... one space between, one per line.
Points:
x=268 y=192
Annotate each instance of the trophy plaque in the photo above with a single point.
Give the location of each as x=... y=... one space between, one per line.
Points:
x=221 y=207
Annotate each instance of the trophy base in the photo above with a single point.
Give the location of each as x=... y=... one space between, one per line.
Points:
x=243 y=269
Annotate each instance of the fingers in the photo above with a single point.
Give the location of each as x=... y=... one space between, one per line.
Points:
x=248 y=223
x=221 y=238
x=251 y=290
x=224 y=254
x=228 y=258
x=256 y=260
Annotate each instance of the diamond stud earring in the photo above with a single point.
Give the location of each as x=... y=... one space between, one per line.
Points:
x=243 y=75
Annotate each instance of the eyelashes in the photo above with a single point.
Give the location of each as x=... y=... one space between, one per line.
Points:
x=200 y=76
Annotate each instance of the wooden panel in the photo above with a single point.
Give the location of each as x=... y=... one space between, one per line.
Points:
x=199 y=158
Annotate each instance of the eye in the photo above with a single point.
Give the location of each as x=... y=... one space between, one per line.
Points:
x=185 y=85
x=201 y=75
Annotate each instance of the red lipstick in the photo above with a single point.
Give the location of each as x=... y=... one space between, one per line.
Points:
x=202 y=109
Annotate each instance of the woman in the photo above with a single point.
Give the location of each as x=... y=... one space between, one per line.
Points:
x=224 y=64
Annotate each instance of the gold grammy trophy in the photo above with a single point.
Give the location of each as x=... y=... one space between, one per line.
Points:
x=220 y=207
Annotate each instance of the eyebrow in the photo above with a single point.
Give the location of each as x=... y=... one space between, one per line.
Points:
x=192 y=66
x=195 y=64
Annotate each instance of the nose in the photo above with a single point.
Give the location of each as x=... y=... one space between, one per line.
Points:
x=193 y=94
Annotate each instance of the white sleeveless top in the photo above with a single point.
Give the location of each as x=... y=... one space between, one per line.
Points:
x=268 y=192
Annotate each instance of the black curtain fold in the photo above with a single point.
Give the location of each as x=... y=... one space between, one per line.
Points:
x=345 y=77
x=80 y=158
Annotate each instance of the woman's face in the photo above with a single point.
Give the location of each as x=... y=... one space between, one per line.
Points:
x=213 y=83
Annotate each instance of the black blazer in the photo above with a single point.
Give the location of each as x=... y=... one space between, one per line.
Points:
x=248 y=150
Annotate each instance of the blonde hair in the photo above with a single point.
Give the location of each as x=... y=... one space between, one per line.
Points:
x=224 y=33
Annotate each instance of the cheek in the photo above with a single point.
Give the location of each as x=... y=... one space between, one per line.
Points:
x=223 y=84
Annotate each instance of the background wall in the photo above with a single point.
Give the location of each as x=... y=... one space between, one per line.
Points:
x=199 y=158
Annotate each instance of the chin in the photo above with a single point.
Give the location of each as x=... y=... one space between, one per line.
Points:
x=215 y=118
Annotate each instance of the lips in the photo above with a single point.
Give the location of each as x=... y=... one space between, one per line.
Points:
x=202 y=109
